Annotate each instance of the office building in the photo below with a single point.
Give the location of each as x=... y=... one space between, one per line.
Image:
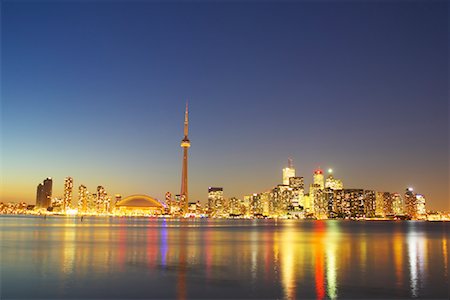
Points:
x=288 y=172
x=68 y=187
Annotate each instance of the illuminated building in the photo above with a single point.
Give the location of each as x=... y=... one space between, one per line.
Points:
x=215 y=201
x=420 y=207
x=101 y=200
x=296 y=182
x=332 y=183
x=288 y=172
x=369 y=203
x=265 y=202
x=234 y=207
x=388 y=208
x=410 y=203
x=307 y=203
x=353 y=203
x=168 y=198
x=44 y=194
x=320 y=202
x=68 y=186
x=379 y=203
x=139 y=205
x=297 y=186
x=82 y=199
x=415 y=205
x=185 y=144
x=256 y=207
x=318 y=179
x=397 y=204
x=280 y=198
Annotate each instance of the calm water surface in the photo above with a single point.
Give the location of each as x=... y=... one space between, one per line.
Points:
x=64 y=257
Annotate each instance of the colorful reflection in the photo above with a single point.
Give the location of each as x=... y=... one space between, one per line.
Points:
x=224 y=259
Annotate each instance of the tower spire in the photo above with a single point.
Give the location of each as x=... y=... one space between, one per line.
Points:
x=186 y=120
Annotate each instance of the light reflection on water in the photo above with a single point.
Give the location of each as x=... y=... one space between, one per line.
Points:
x=155 y=258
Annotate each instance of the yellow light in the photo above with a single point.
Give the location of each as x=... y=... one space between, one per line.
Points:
x=72 y=212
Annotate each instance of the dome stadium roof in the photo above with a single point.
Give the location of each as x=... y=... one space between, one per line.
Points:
x=139 y=201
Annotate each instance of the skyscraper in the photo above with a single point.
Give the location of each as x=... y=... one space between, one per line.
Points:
x=44 y=193
x=410 y=203
x=39 y=193
x=318 y=178
x=68 y=186
x=82 y=199
x=215 y=201
x=185 y=144
x=288 y=172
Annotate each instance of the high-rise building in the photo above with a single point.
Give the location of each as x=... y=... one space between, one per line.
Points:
x=39 y=195
x=296 y=182
x=44 y=194
x=353 y=203
x=410 y=203
x=288 y=172
x=397 y=204
x=82 y=199
x=379 y=204
x=256 y=207
x=420 y=206
x=387 y=204
x=370 y=205
x=234 y=207
x=185 y=144
x=318 y=179
x=333 y=183
x=101 y=201
x=215 y=201
x=68 y=186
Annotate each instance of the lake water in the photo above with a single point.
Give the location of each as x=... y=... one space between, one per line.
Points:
x=123 y=258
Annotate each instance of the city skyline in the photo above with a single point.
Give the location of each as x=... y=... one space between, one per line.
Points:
x=378 y=117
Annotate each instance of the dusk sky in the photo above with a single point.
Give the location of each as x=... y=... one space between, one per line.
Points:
x=96 y=90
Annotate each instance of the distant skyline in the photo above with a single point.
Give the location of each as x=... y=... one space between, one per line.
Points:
x=96 y=90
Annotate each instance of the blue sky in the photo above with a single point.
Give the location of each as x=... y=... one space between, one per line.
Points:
x=96 y=90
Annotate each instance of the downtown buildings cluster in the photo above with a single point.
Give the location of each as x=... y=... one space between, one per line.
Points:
x=326 y=199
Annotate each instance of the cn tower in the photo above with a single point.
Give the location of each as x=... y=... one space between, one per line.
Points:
x=185 y=144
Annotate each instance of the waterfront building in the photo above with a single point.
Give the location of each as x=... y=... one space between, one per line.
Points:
x=68 y=187
x=101 y=201
x=420 y=207
x=379 y=204
x=265 y=202
x=370 y=205
x=388 y=207
x=256 y=207
x=139 y=205
x=82 y=199
x=39 y=195
x=307 y=204
x=288 y=172
x=320 y=202
x=332 y=183
x=216 y=202
x=318 y=179
x=185 y=144
x=353 y=203
x=410 y=203
x=234 y=207
x=397 y=204
x=297 y=185
x=44 y=194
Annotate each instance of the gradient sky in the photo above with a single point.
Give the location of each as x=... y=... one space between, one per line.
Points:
x=96 y=90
